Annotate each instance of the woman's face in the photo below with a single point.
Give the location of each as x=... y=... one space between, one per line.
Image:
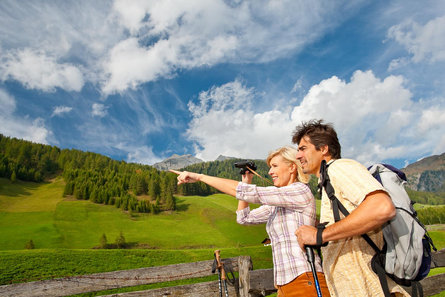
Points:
x=282 y=172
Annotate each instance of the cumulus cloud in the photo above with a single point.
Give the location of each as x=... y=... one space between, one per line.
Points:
x=376 y=119
x=59 y=110
x=142 y=154
x=122 y=44
x=423 y=42
x=224 y=123
x=38 y=71
x=165 y=36
x=47 y=45
x=23 y=128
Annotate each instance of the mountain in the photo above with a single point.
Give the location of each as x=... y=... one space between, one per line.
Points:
x=177 y=162
x=427 y=174
x=181 y=161
x=223 y=158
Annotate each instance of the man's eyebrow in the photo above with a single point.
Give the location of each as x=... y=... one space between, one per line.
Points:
x=301 y=147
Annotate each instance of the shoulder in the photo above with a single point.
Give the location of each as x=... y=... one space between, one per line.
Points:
x=351 y=176
x=345 y=167
x=298 y=187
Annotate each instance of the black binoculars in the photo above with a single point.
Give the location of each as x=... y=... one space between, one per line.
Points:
x=244 y=165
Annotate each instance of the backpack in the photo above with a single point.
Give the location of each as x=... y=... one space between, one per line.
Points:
x=406 y=253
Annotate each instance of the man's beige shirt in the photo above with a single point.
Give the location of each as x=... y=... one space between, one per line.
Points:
x=347 y=262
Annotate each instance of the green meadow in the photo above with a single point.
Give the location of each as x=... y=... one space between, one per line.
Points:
x=38 y=212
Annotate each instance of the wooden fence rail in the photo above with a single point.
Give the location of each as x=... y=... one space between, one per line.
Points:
x=250 y=283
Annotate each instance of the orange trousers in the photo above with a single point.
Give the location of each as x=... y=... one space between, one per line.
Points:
x=304 y=285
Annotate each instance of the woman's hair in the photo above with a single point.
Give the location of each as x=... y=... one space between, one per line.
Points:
x=289 y=154
x=319 y=134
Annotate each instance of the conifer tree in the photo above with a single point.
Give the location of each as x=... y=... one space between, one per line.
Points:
x=13 y=177
x=120 y=241
x=103 y=241
x=30 y=245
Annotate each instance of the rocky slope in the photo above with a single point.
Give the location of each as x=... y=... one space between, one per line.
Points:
x=427 y=174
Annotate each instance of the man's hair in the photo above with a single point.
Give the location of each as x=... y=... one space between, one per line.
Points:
x=289 y=155
x=319 y=134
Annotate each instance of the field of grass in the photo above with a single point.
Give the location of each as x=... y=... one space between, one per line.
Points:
x=38 y=212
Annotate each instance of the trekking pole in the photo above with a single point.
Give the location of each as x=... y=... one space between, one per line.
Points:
x=221 y=273
x=216 y=267
x=311 y=260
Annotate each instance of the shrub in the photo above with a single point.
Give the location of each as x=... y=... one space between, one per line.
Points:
x=103 y=241
x=30 y=245
x=120 y=241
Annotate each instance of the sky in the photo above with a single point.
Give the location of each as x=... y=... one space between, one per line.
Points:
x=140 y=81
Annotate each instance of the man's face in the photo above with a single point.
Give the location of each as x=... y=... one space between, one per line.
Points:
x=309 y=156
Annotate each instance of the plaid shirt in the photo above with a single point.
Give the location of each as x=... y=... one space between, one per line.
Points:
x=283 y=210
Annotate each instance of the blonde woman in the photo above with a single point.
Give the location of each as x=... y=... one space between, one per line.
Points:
x=284 y=207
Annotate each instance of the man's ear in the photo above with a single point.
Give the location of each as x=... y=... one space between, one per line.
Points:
x=324 y=150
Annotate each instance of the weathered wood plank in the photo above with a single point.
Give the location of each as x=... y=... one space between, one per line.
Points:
x=438 y=259
x=206 y=289
x=110 y=280
x=261 y=282
x=244 y=267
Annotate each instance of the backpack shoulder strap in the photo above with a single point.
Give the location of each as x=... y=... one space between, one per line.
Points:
x=337 y=206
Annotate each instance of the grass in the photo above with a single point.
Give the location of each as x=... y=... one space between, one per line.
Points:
x=30 y=197
x=55 y=222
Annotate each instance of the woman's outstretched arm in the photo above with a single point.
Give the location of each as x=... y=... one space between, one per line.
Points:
x=224 y=185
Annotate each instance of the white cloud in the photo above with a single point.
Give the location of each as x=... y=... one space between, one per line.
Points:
x=59 y=43
x=7 y=103
x=99 y=110
x=225 y=124
x=376 y=120
x=59 y=110
x=142 y=155
x=123 y=44
x=423 y=42
x=22 y=128
x=38 y=71
x=165 y=36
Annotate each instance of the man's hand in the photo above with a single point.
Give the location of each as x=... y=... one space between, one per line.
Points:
x=306 y=235
x=186 y=177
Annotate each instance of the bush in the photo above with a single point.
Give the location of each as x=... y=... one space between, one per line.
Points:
x=30 y=245
x=120 y=241
x=103 y=242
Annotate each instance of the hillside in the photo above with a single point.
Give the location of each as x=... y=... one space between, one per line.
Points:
x=39 y=212
x=427 y=174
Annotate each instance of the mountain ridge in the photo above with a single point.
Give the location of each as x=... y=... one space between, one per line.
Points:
x=427 y=174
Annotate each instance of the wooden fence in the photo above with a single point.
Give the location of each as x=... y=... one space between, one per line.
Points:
x=250 y=283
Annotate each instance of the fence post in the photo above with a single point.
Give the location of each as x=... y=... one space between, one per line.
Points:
x=244 y=266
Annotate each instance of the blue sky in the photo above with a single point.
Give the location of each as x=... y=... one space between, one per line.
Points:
x=142 y=80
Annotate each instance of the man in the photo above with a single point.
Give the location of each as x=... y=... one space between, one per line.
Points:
x=347 y=257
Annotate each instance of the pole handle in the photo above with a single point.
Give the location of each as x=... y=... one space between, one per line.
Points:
x=220 y=264
x=311 y=260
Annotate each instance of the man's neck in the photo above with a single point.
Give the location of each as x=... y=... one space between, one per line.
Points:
x=327 y=159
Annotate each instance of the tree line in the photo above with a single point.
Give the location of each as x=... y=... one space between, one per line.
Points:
x=129 y=186
x=90 y=176
x=100 y=179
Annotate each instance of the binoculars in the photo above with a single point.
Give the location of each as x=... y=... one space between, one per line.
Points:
x=244 y=165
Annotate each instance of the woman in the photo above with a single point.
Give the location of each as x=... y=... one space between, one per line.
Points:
x=285 y=206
